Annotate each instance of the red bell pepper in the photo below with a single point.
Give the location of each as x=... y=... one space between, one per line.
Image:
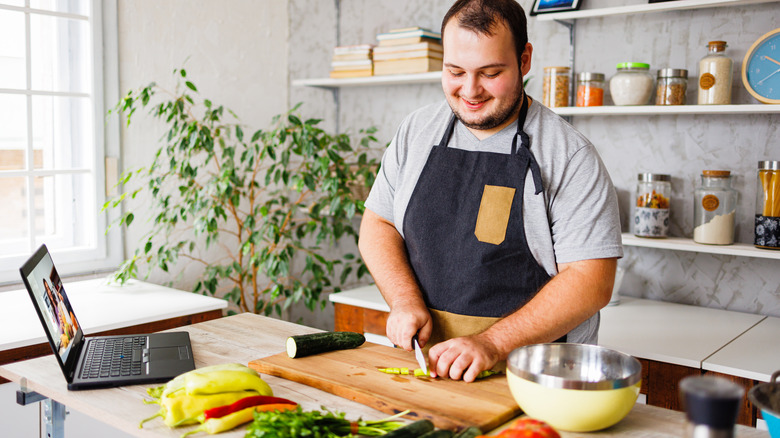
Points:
x=244 y=403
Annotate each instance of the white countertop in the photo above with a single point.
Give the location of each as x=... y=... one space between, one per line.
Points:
x=753 y=355
x=367 y=297
x=666 y=332
x=100 y=306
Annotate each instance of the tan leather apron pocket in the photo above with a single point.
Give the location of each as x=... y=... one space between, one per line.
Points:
x=493 y=214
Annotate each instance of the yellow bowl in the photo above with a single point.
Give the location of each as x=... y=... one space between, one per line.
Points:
x=574 y=387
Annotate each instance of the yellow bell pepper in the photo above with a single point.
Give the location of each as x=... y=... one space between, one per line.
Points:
x=184 y=409
x=225 y=380
x=179 y=382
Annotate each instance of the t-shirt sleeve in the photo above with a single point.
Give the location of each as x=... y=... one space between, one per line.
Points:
x=585 y=219
x=382 y=195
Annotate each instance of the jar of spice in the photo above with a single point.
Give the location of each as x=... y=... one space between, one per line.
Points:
x=767 y=230
x=590 y=89
x=714 y=208
x=555 y=87
x=672 y=86
x=651 y=213
x=715 y=75
x=632 y=84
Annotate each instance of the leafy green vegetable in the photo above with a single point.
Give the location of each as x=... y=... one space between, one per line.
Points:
x=315 y=424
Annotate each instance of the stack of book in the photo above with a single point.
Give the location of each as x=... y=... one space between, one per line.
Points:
x=352 y=61
x=408 y=50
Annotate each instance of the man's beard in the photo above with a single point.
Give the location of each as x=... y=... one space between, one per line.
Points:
x=499 y=117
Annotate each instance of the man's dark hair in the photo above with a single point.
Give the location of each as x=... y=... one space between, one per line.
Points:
x=482 y=17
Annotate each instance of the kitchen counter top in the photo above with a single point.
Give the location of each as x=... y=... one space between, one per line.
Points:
x=100 y=307
x=753 y=355
x=245 y=337
x=667 y=332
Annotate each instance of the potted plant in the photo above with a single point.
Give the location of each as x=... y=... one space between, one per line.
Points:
x=268 y=199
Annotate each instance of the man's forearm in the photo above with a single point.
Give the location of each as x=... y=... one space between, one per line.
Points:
x=384 y=253
x=575 y=294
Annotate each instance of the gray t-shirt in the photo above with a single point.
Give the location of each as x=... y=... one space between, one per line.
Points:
x=574 y=218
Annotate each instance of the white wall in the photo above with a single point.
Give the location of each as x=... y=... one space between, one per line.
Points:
x=236 y=54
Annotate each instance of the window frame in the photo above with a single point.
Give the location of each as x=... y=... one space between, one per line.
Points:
x=107 y=252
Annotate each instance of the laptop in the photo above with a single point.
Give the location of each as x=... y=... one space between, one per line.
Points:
x=99 y=361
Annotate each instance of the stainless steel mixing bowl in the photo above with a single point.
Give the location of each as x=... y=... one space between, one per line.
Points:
x=574 y=387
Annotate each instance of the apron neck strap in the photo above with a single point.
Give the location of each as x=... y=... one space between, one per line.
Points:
x=445 y=139
x=525 y=146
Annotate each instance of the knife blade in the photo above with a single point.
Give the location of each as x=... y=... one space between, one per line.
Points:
x=418 y=354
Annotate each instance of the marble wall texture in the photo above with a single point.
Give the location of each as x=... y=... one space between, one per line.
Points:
x=682 y=146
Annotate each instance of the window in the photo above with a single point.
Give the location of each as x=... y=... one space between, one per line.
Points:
x=53 y=129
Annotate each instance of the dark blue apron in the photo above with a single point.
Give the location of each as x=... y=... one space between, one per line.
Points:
x=464 y=230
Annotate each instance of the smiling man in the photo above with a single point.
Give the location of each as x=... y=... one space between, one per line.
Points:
x=492 y=223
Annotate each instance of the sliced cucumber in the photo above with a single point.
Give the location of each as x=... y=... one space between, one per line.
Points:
x=411 y=430
x=313 y=343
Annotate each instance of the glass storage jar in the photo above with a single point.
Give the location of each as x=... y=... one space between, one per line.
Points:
x=632 y=84
x=651 y=212
x=555 y=87
x=590 y=89
x=714 y=208
x=767 y=229
x=671 y=86
x=715 y=75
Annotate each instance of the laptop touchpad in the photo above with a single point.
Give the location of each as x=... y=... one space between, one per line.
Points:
x=165 y=353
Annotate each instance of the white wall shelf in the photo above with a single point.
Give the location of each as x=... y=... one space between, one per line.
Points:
x=666 y=109
x=419 y=78
x=678 y=5
x=683 y=244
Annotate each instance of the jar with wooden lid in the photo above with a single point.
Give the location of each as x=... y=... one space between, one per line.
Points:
x=651 y=212
x=590 y=89
x=672 y=84
x=715 y=75
x=714 y=208
x=767 y=229
x=555 y=87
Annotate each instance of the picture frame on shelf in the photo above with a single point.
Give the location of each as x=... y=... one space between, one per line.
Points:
x=548 y=6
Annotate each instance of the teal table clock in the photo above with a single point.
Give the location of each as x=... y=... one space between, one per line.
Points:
x=761 y=68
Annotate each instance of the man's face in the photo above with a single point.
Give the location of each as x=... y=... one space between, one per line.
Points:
x=481 y=78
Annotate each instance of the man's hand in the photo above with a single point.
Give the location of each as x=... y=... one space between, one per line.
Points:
x=463 y=357
x=406 y=320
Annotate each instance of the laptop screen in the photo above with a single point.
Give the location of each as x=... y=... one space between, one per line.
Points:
x=55 y=309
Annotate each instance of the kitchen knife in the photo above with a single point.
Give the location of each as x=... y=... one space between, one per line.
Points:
x=419 y=355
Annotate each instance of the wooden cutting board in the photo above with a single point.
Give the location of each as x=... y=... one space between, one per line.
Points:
x=353 y=374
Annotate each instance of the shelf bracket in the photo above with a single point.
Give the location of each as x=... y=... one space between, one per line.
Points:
x=571 y=25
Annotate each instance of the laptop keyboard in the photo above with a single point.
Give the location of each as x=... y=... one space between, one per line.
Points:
x=113 y=357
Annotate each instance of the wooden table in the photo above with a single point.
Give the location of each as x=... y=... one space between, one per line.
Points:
x=245 y=337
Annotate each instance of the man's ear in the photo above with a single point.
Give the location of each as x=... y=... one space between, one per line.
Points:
x=525 y=59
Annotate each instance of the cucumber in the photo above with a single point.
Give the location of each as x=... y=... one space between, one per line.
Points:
x=411 y=430
x=313 y=343
x=440 y=433
x=469 y=432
